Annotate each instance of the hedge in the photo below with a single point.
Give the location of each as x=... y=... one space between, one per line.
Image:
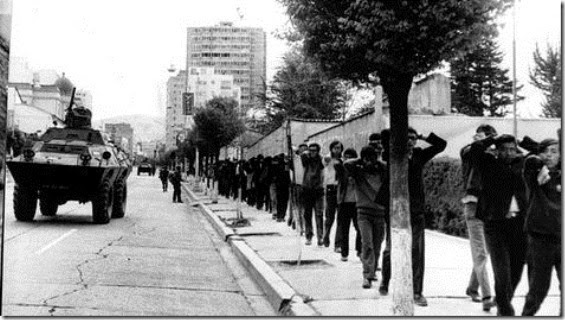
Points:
x=444 y=189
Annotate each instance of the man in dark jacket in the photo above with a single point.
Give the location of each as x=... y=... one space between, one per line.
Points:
x=475 y=227
x=418 y=157
x=176 y=179
x=543 y=222
x=502 y=205
x=369 y=174
x=164 y=176
x=313 y=192
x=281 y=177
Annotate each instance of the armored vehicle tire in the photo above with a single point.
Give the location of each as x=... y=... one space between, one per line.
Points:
x=48 y=207
x=102 y=204
x=120 y=199
x=25 y=203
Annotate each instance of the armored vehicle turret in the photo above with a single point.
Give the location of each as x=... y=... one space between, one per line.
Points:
x=73 y=163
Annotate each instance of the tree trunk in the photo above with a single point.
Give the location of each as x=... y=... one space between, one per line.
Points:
x=397 y=86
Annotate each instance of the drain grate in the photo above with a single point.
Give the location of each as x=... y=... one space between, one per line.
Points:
x=312 y=263
x=252 y=234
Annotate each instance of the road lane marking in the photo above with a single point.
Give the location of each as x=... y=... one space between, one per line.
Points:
x=54 y=242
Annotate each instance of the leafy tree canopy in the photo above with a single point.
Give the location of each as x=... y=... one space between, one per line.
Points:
x=301 y=89
x=354 y=38
x=217 y=124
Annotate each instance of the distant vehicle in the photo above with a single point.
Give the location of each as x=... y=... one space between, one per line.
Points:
x=73 y=163
x=144 y=167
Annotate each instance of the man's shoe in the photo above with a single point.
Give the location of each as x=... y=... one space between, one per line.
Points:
x=420 y=300
x=320 y=243
x=473 y=294
x=343 y=258
x=383 y=290
x=326 y=243
x=488 y=303
x=366 y=283
x=308 y=242
x=373 y=278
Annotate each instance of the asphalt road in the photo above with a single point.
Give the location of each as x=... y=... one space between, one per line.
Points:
x=161 y=259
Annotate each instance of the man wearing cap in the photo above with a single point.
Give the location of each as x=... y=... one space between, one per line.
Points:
x=542 y=173
x=502 y=204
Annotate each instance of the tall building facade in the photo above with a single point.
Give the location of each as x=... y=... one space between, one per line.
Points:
x=175 y=121
x=205 y=84
x=231 y=50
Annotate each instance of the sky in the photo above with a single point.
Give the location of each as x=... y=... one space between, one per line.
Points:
x=120 y=50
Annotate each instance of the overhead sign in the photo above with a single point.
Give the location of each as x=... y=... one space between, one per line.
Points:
x=187 y=103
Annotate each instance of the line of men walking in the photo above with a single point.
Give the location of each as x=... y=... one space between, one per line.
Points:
x=512 y=206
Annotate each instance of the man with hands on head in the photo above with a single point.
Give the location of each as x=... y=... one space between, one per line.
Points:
x=502 y=203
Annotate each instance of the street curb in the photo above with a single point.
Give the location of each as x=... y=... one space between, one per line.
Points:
x=220 y=227
x=279 y=294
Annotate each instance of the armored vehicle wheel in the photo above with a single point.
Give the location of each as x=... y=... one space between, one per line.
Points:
x=25 y=202
x=102 y=204
x=48 y=207
x=120 y=199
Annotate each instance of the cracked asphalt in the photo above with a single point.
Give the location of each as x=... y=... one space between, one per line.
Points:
x=161 y=259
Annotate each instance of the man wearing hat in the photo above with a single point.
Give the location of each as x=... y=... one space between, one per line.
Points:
x=502 y=204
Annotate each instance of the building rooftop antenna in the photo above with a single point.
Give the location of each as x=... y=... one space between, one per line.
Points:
x=238 y=9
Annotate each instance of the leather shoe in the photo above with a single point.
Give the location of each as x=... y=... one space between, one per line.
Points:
x=366 y=283
x=383 y=290
x=488 y=303
x=420 y=300
x=474 y=295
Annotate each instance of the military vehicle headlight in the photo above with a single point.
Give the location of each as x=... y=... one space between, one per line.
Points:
x=28 y=154
x=85 y=157
x=106 y=155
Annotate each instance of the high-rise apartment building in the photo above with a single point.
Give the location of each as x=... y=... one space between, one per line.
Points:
x=231 y=50
x=175 y=121
x=204 y=84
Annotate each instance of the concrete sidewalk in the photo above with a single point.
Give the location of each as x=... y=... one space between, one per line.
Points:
x=323 y=285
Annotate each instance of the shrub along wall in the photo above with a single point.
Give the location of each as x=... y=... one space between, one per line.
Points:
x=444 y=189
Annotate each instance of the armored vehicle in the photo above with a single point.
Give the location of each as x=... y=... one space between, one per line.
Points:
x=73 y=163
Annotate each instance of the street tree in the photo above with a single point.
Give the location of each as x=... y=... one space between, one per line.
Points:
x=479 y=84
x=301 y=89
x=216 y=125
x=395 y=40
x=546 y=76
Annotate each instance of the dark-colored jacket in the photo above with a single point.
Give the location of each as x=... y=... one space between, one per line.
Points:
x=369 y=182
x=164 y=175
x=499 y=182
x=415 y=172
x=312 y=172
x=471 y=178
x=175 y=179
x=543 y=217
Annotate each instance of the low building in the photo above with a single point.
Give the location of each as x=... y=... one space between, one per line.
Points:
x=118 y=132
